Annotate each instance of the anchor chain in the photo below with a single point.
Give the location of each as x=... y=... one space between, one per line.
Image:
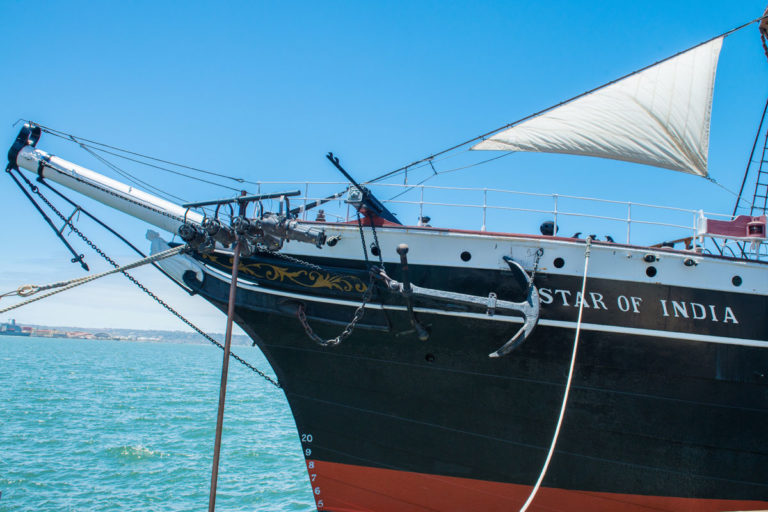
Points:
x=143 y=288
x=359 y=312
x=375 y=240
x=539 y=254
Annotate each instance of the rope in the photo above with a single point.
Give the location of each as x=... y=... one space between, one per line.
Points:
x=66 y=136
x=127 y=175
x=68 y=222
x=66 y=285
x=567 y=386
x=438 y=173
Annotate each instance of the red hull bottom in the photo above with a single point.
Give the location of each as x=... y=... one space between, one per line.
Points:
x=347 y=488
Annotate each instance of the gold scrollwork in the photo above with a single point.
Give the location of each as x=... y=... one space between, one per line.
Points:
x=301 y=277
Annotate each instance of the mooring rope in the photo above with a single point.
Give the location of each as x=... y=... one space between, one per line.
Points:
x=567 y=385
x=61 y=286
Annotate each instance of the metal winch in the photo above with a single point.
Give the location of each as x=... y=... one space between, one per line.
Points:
x=265 y=230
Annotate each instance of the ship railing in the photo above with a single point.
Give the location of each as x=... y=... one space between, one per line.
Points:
x=502 y=210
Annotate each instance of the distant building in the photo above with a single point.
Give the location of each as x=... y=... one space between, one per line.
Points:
x=12 y=329
x=80 y=335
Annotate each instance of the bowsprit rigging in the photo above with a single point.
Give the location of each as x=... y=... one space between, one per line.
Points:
x=30 y=134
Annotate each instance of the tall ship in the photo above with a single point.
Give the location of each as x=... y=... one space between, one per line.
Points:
x=439 y=369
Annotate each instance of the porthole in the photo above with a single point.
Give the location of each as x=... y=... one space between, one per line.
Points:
x=737 y=281
x=559 y=262
x=466 y=256
x=430 y=358
x=650 y=271
x=375 y=250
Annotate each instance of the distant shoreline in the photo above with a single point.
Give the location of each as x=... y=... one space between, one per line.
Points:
x=118 y=334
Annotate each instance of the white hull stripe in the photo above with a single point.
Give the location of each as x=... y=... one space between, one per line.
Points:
x=706 y=338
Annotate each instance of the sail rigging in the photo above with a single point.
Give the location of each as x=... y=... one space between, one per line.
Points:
x=659 y=116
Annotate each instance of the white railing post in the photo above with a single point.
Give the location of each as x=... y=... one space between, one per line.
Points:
x=554 y=213
x=485 y=207
x=693 y=239
x=258 y=192
x=629 y=220
x=306 y=195
x=421 y=204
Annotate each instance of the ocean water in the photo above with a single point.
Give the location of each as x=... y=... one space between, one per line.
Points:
x=109 y=425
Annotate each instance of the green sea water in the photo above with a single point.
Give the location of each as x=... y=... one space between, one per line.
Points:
x=109 y=425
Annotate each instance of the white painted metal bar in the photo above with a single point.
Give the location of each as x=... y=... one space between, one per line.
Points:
x=554 y=214
x=125 y=198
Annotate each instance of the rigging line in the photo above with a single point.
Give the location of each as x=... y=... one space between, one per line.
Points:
x=103 y=225
x=437 y=173
x=506 y=153
x=134 y=179
x=418 y=166
x=76 y=258
x=411 y=187
x=129 y=176
x=115 y=168
x=66 y=135
x=160 y=168
x=540 y=112
x=714 y=181
x=751 y=156
x=83 y=280
x=129 y=276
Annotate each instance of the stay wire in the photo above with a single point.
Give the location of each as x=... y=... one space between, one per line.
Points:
x=91 y=146
x=750 y=161
x=127 y=175
x=138 y=284
x=137 y=181
x=160 y=168
x=66 y=135
x=107 y=227
x=438 y=173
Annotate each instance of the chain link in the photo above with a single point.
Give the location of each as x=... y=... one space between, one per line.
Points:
x=359 y=313
x=147 y=291
x=298 y=261
x=539 y=254
x=362 y=239
x=376 y=242
x=301 y=312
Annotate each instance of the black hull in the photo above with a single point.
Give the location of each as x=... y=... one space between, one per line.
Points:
x=652 y=416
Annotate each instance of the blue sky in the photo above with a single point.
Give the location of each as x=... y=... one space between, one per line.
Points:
x=263 y=90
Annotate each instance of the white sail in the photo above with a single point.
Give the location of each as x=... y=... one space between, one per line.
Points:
x=658 y=116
